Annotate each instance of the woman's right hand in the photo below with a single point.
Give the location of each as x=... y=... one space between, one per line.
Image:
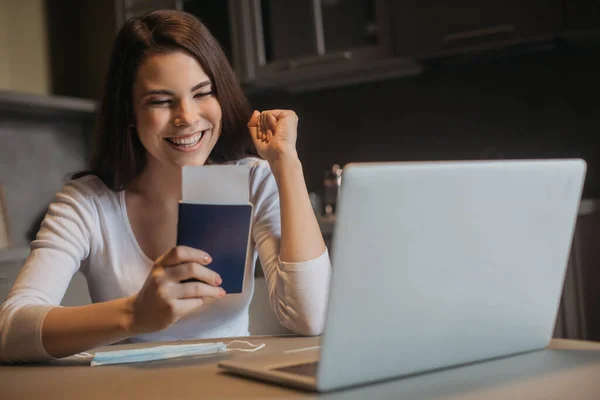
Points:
x=166 y=296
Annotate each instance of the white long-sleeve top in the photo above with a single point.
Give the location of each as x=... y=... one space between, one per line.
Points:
x=87 y=229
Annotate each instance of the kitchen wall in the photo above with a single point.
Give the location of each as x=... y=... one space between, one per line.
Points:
x=23 y=47
x=42 y=141
x=539 y=105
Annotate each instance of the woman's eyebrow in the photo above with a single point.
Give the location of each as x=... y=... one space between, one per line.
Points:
x=169 y=93
x=200 y=85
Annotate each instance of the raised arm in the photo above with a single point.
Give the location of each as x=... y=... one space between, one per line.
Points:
x=290 y=243
x=301 y=238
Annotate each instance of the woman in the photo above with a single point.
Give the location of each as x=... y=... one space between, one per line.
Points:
x=171 y=100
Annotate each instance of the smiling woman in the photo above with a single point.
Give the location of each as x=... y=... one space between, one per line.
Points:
x=181 y=125
x=171 y=100
x=151 y=54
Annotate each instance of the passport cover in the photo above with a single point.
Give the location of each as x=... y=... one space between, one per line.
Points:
x=221 y=230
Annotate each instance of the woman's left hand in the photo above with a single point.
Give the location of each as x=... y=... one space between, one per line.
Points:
x=274 y=133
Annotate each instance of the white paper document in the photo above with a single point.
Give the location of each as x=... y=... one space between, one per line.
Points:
x=216 y=184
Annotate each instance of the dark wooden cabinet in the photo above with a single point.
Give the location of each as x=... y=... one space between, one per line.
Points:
x=424 y=28
x=312 y=44
x=296 y=45
x=126 y=9
x=582 y=14
x=217 y=17
x=579 y=313
x=305 y=45
x=80 y=39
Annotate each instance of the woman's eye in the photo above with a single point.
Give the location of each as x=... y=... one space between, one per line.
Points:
x=159 y=102
x=204 y=94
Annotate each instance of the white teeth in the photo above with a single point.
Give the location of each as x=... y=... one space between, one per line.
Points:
x=187 y=142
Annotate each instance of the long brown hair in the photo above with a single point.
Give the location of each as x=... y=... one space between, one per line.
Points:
x=119 y=156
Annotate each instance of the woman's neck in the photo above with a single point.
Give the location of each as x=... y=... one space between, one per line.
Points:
x=160 y=183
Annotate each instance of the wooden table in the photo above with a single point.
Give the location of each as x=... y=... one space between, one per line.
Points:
x=568 y=370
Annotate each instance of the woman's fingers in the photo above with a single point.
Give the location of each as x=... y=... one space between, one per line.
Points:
x=193 y=271
x=253 y=125
x=253 y=120
x=271 y=123
x=183 y=254
x=196 y=290
x=263 y=127
x=267 y=124
x=259 y=127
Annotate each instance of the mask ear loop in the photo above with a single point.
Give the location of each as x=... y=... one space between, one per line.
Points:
x=254 y=346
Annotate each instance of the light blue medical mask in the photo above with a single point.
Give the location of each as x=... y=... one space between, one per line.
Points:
x=165 y=352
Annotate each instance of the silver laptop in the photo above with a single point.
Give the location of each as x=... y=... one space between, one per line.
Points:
x=437 y=264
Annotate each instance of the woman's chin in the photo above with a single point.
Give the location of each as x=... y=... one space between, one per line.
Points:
x=197 y=163
x=191 y=159
x=197 y=160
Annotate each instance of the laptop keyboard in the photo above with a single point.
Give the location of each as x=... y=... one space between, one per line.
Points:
x=305 y=369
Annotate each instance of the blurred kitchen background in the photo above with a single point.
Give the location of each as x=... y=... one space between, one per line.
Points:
x=371 y=80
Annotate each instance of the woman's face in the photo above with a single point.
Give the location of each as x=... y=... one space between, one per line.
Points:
x=177 y=116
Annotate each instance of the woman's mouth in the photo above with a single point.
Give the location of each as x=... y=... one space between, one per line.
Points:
x=187 y=143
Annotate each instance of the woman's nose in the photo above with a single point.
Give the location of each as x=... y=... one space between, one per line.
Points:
x=187 y=114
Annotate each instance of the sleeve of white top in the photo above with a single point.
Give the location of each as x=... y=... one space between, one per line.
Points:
x=297 y=291
x=61 y=244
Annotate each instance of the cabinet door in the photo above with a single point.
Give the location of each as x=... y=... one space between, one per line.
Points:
x=310 y=34
x=427 y=27
x=126 y=9
x=307 y=28
x=579 y=314
x=288 y=30
x=216 y=15
x=219 y=16
x=582 y=14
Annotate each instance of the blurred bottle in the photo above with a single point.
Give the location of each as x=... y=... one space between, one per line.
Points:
x=332 y=183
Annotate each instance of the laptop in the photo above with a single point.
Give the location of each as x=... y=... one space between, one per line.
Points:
x=434 y=265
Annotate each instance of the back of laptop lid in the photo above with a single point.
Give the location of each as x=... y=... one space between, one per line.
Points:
x=444 y=263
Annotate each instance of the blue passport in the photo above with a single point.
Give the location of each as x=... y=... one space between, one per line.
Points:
x=221 y=230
